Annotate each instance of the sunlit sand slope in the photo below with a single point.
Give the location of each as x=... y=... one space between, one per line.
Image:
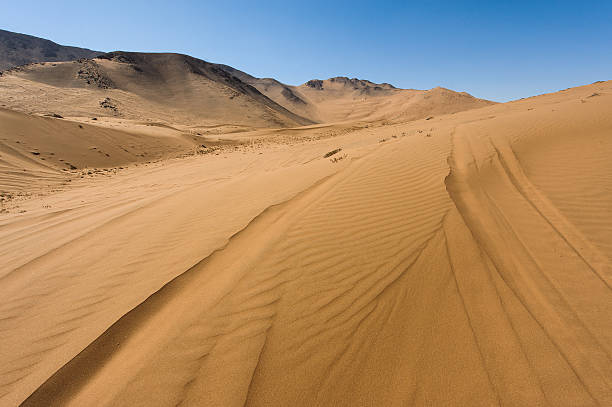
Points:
x=457 y=263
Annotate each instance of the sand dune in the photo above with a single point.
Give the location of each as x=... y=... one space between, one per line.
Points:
x=44 y=152
x=460 y=260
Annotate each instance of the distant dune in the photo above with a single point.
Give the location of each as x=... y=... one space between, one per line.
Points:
x=20 y=49
x=41 y=149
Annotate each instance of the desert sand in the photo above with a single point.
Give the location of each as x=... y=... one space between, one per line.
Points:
x=452 y=252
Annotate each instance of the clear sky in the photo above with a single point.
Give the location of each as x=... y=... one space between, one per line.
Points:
x=499 y=50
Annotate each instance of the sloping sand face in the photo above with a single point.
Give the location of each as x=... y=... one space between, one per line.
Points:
x=458 y=262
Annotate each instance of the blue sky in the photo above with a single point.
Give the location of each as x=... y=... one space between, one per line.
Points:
x=499 y=50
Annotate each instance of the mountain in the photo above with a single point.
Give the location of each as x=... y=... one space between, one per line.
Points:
x=173 y=88
x=182 y=90
x=346 y=99
x=20 y=49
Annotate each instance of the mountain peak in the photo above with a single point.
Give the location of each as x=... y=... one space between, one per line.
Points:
x=344 y=81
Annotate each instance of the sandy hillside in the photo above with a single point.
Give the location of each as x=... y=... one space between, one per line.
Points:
x=460 y=260
x=178 y=90
x=341 y=99
x=344 y=99
x=171 y=88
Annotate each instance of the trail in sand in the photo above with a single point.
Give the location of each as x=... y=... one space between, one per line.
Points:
x=465 y=261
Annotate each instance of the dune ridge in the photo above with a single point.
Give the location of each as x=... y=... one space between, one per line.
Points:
x=450 y=261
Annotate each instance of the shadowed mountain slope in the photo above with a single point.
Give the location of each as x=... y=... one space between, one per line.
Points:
x=345 y=99
x=171 y=87
x=20 y=49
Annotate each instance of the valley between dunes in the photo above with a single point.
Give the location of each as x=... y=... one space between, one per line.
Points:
x=462 y=259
